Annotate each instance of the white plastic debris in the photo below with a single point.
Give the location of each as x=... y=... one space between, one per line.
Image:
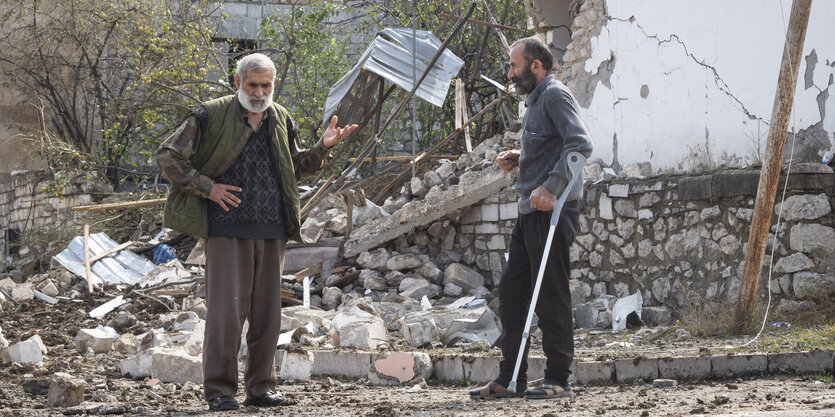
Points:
x=625 y=307
x=107 y=307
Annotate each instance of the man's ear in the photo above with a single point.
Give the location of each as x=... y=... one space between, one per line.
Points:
x=237 y=81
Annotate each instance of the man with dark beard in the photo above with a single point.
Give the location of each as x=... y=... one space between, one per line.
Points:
x=551 y=129
x=233 y=166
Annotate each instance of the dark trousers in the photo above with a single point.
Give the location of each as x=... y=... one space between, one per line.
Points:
x=554 y=305
x=243 y=281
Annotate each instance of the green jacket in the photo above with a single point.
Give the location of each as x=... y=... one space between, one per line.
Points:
x=226 y=133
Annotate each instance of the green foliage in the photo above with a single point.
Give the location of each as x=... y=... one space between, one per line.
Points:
x=310 y=56
x=112 y=75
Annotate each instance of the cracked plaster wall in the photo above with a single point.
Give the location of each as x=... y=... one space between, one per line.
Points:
x=689 y=86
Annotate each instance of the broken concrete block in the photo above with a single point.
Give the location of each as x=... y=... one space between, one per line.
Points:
x=452 y=290
x=394 y=278
x=638 y=170
x=463 y=277
x=420 y=288
x=138 y=366
x=656 y=316
x=397 y=368
x=664 y=383
x=311 y=230
x=35 y=386
x=154 y=338
x=23 y=293
x=431 y=272
x=372 y=280
x=374 y=260
x=65 y=390
x=127 y=344
x=175 y=365
x=431 y=179
x=360 y=329
x=317 y=321
x=7 y=284
x=49 y=288
x=418 y=330
x=186 y=321
x=194 y=343
x=4 y=345
x=95 y=339
x=401 y=262
x=294 y=365
x=331 y=297
x=418 y=187
x=446 y=170
x=122 y=320
x=30 y=351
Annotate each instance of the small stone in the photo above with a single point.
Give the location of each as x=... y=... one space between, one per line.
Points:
x=401 y=262
x=664 y=383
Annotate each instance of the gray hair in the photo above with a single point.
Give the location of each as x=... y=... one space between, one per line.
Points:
x=256 y=63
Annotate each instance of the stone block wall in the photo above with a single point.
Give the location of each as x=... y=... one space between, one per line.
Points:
x=26 y=203
x=680 y=240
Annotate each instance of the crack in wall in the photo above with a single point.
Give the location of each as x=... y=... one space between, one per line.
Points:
x=720 y=83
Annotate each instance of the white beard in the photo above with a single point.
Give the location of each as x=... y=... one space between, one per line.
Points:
x=246 y=101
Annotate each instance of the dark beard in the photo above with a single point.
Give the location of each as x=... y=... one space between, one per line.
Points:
x=527 y=82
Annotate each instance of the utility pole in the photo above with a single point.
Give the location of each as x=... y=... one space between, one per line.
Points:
x=770 y=174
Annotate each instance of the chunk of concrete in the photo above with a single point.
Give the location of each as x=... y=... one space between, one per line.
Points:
x=417 y=292
x=350 y=364
x=30 y=351
x=95 y=339
x=194 y=343
x=122 y=320
x=664 y=383
x=374 y=260
x=23 y=293
x=418 y=331
x=138 y=366
x=462 y=276
x=186 y=321
x=397 y=368
x=154 y=338
x=593 y=373
x=429 y=271
x=127 y=344
x=175 y=365
x=401 y=262
x=372 y=280
x=733 y=366
x=65 y=390
x=294 y=365
x=360 y=329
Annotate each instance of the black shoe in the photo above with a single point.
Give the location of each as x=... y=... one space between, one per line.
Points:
x=223 y=403
x=270 y=399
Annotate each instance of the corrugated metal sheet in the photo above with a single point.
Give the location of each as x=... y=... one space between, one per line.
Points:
x=125 y=267
x=390 y=56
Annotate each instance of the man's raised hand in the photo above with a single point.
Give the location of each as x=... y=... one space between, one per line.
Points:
x=335 y=134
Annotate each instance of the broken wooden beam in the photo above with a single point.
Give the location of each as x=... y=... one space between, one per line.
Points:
x=119 y=206
x=111 y=251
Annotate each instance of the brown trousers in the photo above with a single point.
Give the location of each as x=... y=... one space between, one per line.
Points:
x=243 y=281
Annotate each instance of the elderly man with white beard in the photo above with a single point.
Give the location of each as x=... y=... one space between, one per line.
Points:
x=233 y=166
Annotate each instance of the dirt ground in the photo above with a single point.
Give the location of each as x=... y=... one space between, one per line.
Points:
x=23 y=389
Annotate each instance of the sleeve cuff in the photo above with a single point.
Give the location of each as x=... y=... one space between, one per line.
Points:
x=554 y=184
x=203 y=185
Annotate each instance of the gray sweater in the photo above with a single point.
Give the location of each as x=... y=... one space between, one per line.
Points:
x=551 y=129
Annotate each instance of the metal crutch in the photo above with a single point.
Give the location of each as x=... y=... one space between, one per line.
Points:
x=576 y=162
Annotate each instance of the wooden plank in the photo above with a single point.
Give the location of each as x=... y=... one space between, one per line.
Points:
x=110 y=251
x=405 y=158
x=120 y=206
x=87 y=258
x=461 y=113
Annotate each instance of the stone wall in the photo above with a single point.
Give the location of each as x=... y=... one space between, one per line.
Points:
x=27 y=201
x=680 y=240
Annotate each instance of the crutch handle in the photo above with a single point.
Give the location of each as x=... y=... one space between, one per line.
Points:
x=576 y=162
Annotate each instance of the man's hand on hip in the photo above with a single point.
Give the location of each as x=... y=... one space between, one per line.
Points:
x=508 y=160
x=542 y=199
x=222 y=194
